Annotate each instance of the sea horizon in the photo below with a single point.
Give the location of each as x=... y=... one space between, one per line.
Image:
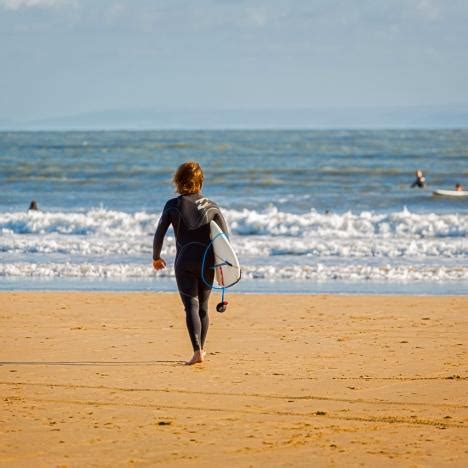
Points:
x=382 y=117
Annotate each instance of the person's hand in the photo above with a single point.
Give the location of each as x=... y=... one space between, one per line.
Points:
x=159 y=264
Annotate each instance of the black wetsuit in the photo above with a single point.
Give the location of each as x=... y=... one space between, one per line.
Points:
x=190 y=216
x=419 y=182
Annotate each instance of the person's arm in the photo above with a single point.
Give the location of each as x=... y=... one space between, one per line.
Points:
x=161 y=230
x=221 y=222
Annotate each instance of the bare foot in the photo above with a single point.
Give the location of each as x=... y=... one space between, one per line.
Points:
x=198 y=356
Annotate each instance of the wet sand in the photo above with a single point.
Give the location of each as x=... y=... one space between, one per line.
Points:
x=98 y=379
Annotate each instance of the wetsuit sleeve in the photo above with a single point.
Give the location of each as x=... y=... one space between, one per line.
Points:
x=221 y=222
x=161 y=230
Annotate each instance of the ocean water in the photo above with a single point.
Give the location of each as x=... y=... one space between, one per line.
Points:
x=310 y=211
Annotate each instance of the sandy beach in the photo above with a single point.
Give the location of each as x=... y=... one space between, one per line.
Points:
x=98 y=379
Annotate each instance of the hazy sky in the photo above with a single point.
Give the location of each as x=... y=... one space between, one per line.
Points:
x=62 y=57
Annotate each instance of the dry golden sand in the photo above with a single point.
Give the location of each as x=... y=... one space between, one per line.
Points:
x=97 y=379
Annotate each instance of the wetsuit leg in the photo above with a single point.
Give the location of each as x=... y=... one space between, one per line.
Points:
x=195 y=291
x=203 y=295
x=187 y=282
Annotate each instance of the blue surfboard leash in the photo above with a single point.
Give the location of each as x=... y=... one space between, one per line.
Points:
x=221 y=307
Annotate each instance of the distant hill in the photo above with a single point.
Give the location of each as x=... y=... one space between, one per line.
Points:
x=358 y=117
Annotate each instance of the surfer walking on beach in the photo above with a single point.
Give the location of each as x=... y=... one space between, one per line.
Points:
x=190 y=215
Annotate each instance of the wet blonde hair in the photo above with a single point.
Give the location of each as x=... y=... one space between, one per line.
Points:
x=188 y=178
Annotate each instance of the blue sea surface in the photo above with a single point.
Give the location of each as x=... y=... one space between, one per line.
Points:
x=310 y=211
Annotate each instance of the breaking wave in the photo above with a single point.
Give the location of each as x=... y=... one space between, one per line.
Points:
x=271 y=244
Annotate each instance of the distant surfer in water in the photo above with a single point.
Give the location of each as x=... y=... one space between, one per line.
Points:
x=419 y=181
x=190 y=215
x=33 y=206
x=459 y=188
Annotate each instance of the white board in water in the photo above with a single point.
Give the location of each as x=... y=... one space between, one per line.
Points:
x=227 y=267
x=450 y=193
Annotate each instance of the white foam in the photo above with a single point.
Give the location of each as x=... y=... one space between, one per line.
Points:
x=270 y=243
x=366 y=224
x=269 y=222
x=93 y=222
x=317 y=272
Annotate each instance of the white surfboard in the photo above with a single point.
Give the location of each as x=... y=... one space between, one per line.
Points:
x=451 y=193
x=227 y=267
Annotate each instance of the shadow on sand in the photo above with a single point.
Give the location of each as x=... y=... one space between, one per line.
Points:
x=88 y=363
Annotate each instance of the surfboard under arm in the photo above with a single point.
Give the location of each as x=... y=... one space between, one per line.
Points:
x=226 y=263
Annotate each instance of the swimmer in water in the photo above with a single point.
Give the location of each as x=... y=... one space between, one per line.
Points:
x=33 y=206
x=419 y=181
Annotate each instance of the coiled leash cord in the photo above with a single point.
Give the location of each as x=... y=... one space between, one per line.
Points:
x=221 y=307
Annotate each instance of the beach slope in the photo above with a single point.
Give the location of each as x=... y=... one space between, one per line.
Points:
x=93 y=379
